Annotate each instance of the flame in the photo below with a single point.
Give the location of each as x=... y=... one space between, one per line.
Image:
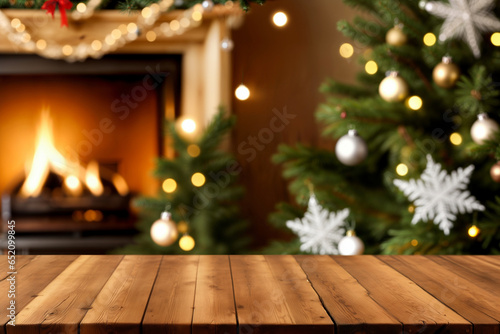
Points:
x=120 y=184
x=93 y=180
x=47 y=158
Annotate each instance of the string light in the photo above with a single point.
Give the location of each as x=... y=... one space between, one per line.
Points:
x=186 y=243
x=169 y=185
x=96 y=45
x=495 y=39
x=15 y=23
x=193 y=150
x=429 y=39
x=118 y=37
x=414 y=102
x=188 y=125
x=346 y=50
x=414 y=242
x=197 y=16
x=175 y=25
x=198 y=179
x=473 y=231
x=151 y=36
x=116 y=34
x=456 y=138
x=131 y=27
x=280 y=19
x=371 y=67
x=81 y=7
x=41 y=44
x=402 y=169
x=242 y=93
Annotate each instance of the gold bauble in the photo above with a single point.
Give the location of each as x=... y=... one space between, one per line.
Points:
x=446 y=74
x=393 y=88
x=495 y=172
x=396 y=37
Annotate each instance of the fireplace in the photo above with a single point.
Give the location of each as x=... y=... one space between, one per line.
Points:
x=77 y=142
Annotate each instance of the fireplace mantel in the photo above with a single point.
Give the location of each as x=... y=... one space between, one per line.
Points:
x=205 y=67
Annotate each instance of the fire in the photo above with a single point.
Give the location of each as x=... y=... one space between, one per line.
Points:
x=48 y=159
x=93 y=180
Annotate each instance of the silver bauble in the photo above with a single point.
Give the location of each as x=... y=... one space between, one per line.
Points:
x=351 y=149
x=483 y=129
x=163 y=231
x=351 y=244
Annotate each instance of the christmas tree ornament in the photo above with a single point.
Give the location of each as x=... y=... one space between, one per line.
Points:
x=465 y=19
x=395 y=36
x=495 y=172
x=63 y=5
x=207 y=5
x=186 y=243
x=484 y=128
x=438 y=196
x=351 y=244
x=163 y=231
x=320 y=230
x=226 y=44
x=351 y=149
x=446 y=73
x=393 y=88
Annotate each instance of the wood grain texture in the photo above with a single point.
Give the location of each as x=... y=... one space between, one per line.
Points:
x=170 y=307
x=417 y=310
x=481 y=273
x=119 y=307
x=347 y=302
x=62 y=304
x=469 y=300
x=272 y=295
x=214 y=310
x=21 y=261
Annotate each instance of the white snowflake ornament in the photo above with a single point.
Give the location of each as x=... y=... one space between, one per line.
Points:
x=439 y=196
x=320 y=230
x=465 y=19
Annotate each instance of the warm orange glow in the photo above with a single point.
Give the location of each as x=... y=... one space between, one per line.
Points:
x=93 y=180
x=73 y=185
x=120 y=184
x=46 y=158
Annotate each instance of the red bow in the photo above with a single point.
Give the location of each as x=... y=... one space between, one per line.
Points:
x=50 y=6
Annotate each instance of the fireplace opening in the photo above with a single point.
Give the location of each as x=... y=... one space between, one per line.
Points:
x=77 y=142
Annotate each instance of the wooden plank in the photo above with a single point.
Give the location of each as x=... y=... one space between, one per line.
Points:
x=62 y=304
x=170 y=307
x=214 y=310
x=495 y=259
x=347 y=302
x=481 y=273
x=21 y=261
x=32 y=277
x=417 y=310
x=120 y=306
x=272 y=295
x=475 y=304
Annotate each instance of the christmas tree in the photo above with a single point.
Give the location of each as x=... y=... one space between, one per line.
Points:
x=199 y=194
x=416 y=158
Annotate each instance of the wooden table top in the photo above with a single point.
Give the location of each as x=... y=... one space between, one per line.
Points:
x=252 y=294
